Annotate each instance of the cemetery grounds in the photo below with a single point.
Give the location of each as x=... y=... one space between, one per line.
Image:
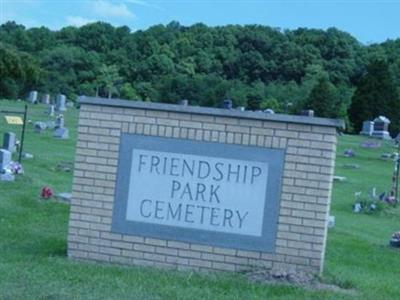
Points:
x=33 y=236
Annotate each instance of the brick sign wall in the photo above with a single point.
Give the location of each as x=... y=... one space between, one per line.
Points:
x=200 y=188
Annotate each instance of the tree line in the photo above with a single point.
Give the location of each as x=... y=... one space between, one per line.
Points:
x=255 y=66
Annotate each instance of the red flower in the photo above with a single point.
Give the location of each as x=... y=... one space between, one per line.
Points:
x=46 y=192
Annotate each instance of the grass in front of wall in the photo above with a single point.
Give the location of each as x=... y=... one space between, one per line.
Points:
x=33 y=237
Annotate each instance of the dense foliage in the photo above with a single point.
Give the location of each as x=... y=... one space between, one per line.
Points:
x=256 y=66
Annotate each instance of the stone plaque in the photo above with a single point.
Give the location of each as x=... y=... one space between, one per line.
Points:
x=211 y=193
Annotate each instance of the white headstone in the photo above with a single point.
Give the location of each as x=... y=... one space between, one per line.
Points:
x=5 y=158
x=9 y=141
x=51 y=110
x=46 y=99
x=40 y=127
x=61 y=100
x=368 y=128
x=331 y=221
x=33 y=96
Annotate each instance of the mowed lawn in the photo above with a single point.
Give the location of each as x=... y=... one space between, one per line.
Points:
x=33 y=237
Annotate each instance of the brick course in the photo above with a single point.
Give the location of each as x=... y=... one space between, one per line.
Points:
x=304 y=205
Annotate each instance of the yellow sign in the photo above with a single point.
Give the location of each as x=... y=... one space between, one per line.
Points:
x=14 y=120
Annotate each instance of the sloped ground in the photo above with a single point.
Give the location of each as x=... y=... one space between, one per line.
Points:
x=33 y=262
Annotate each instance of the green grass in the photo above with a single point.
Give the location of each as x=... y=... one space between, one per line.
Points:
x=33 y=232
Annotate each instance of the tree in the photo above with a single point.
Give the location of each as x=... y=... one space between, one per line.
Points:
x=109 y=79
x=323 y=99
x=19 y=72
x=375 y=95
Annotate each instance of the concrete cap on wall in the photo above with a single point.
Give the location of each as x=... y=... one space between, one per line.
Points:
x=213 y=111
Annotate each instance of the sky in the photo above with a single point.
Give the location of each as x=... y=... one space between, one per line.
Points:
x=369 y=21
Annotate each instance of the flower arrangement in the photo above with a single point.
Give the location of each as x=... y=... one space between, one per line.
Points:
x=46 y=192
x=369 y=205
x=15 y=168
x=395 y=241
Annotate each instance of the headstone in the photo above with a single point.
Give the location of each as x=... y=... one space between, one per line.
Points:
x=381 y=126
x=59 y=121
x=70 y=104
x=7 y=177
x=46 y=99
x=227 y=104
x=39 y=127
x=184 y=102
x=357 y=208
x=370 y=144
x=307 y=113
x=60 y=103
x=339 y=178
x=51 y=110
x=61 y=133
x=368 y=128
x=5 y=159
x=351 y=166
x=65 y=166
x=331 y=221
x=349 y=153
x=241 y=108
x=66 y=197
x=9 y=142
x=269 y=111
x=27 y=155
x=33 y=97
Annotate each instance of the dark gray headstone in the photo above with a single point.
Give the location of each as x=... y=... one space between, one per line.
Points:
x=9 y=141
x=227 y=104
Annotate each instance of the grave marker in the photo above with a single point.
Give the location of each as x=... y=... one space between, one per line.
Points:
x=5 y=159
x=51 y=110
x=368 y=128
x=9 y=141
x=39 y=127
x=60 y=103
x=46 y=99
x=33 y=97
x=381 y=126
x=60 y=131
